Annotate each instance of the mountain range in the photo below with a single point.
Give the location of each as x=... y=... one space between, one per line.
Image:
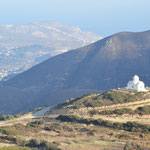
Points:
x=23 y=46
x=93 y=68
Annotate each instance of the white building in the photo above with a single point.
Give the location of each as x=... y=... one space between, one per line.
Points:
x=136 y=84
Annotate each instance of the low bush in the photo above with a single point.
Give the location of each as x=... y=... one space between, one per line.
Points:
x=129 y=126
x=120 y=97
x=9 y=117
x=53 y=128
x=36 y=123
x=91 y=133
x=124 y=136
x=33 y=143
x=10 y=131
x=145 y=110
x=94 y=112
x=18 y=115
x=132 y=146
x=117 y=111
x=104 y=99
x=136 y=127
x=6 y=117
x=14 y=148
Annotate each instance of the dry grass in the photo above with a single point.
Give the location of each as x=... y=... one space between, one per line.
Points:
x=125 y=118
x=97 y=145
x=6 y=144
x=86 y=137
x=145 y=119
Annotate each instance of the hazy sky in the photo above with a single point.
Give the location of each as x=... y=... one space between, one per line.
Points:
x=103 y=17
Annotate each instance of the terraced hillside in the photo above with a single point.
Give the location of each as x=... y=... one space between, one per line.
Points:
x=107 y=100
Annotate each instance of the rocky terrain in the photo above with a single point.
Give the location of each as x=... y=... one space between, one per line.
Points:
x=23 y=46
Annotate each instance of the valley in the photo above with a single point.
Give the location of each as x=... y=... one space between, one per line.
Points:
x=23 y=46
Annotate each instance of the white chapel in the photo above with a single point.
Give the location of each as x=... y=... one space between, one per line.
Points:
x=136 y=84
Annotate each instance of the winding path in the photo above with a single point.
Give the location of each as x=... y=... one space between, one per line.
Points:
x=32 y=115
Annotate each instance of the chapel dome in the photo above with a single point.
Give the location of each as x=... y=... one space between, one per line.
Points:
x=136 y=78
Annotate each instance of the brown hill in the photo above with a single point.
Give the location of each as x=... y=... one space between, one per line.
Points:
x=99 y=66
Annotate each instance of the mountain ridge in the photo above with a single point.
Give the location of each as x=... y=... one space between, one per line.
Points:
x=99 y=66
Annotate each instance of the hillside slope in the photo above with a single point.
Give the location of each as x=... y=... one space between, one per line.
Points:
x=101 y=65
x=98 y=66
x=115 y=119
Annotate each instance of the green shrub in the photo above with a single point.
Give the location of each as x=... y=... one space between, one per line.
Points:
x=18 y=115
x=53 y=128
x=68 y=118
x=56 y=143
x=14 y=148
x=9 y=117
x=132 y=146
x=92 y=133
x=9 y=138
x=136 y=127
x=33 y=143
x=140 y=110
x=6 y=117
x=120 y=97
x=94 y=112
x=36 y=123
x=13 y=139
x=48 y=145
x=143 y=110
x=124 y=136
x=10 y=131
x=104 y=99
x=117 y=111
x=129 y=126
x=118 y=125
